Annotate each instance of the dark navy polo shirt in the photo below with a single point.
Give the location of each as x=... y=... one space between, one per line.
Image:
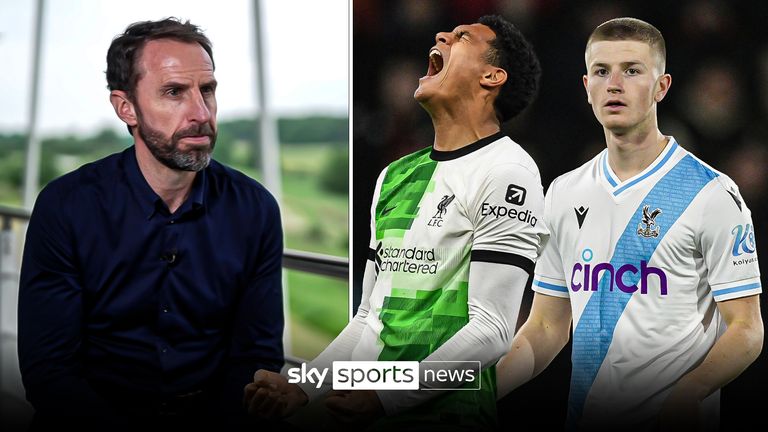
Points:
x=118 y=293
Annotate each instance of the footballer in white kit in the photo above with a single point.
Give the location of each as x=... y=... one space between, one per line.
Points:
x=435 y=213
x=455 y=233
x=651 y=262
x=643 y=262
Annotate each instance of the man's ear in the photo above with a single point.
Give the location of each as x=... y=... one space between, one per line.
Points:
x=586 y=82
x=494 y=77
x=662 y=87
x=123 y=106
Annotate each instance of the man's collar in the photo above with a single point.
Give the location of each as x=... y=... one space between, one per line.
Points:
x=149 y=201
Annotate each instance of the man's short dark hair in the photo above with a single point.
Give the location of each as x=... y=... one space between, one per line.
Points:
x=125 y=50
x=619 y=29
x=513 y=53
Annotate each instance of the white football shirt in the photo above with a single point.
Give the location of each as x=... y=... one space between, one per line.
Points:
x=433 y=213
x=643 y=263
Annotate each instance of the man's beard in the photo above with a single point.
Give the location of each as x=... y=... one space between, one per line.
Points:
x=167 y=150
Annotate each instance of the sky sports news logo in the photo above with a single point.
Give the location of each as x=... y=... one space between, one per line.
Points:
x=392 y=375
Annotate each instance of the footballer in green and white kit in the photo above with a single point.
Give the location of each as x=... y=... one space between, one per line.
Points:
x=455 y=232
x=435 y=213
x=444 y=223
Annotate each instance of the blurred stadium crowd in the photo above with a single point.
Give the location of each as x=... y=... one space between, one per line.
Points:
x=717 y=54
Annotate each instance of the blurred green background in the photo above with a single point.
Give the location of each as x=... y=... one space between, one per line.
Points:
x=314 y=157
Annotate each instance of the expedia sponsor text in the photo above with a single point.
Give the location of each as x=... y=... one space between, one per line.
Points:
x=512 y=213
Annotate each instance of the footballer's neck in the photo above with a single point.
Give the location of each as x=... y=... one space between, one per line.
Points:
x=631 y=152
x=457 y=129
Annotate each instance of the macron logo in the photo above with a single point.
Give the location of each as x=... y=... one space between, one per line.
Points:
x=581 y=214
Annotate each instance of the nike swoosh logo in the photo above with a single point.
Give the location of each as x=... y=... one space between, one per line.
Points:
x=387 y=210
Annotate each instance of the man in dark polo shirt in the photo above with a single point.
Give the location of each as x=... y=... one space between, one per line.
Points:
x=151 y=279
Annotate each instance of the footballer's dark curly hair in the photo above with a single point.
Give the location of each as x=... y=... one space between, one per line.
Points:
x=513 y=53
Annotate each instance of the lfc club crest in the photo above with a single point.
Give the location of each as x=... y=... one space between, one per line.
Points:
x=437 y=219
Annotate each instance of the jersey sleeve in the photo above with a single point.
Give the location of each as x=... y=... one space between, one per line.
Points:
x=548 y=276
x=727 y=242
x=506 y=215
x=494 y=304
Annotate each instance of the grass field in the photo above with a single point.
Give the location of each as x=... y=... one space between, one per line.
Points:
x=314 y=220
x=318 y=311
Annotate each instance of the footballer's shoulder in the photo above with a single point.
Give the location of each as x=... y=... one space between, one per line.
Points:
x=409 y=161
x=576 y=178
x=723 y=188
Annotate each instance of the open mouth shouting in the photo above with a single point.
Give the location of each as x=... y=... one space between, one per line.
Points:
x=435 y=62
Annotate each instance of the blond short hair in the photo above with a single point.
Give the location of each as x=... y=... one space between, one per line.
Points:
x=632 y=29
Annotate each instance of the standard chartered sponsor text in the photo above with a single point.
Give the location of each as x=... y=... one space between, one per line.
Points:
x=408 y=260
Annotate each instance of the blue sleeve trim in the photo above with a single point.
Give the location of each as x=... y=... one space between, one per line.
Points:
x=550 y=286
x=736 y=289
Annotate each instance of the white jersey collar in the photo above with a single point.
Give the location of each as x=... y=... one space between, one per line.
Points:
x=616 y=187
